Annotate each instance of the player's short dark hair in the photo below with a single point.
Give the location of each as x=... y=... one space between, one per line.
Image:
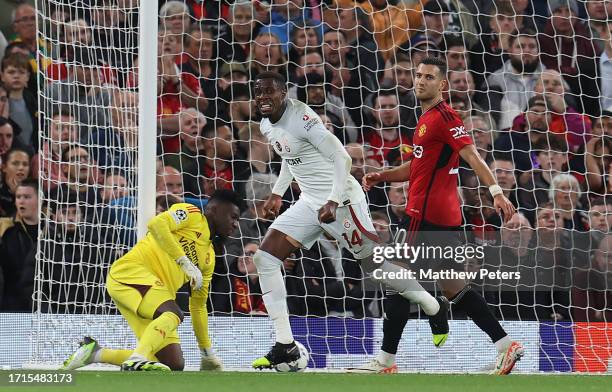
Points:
x=29 y=183
x=438 y=62
x=227 y=196
x=275 y=76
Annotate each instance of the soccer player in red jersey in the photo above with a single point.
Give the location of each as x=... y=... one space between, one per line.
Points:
x=433 y=205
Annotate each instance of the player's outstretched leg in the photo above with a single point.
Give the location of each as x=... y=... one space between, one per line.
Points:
x=84 y=355
x=435 y=308
x=475 y=306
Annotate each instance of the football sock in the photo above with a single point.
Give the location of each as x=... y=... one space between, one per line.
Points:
x=274 y=294
x=503 y=344
x=475 y=306
x=385 y=358
x=155 y=333
x=112 y=356
x=396 y=317
x=410 y=289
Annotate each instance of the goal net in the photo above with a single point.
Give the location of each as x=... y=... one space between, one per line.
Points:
x=531 y=84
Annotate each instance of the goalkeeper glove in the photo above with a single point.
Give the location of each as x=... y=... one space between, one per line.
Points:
x=193 y=272
x=209 y=361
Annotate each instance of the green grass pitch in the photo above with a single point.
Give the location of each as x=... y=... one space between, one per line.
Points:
x=90 y=381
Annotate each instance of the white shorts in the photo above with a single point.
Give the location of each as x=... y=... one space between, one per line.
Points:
x=301 y=222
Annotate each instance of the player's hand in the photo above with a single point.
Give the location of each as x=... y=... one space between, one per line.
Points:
x=504 y=207
x=370 y=180
x=272 y=206
x=209 y=360
x=195 y=275
x=327 y=213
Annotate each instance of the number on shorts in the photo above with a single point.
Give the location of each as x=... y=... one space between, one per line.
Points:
x=355 y=239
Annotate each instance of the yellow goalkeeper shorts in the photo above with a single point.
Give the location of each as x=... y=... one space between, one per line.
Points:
x=137 y=310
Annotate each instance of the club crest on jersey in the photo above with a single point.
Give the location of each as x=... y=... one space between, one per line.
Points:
x=422 y=130
x=417 y=151
x=278 y=146
x=458 y=132
x=347 y=223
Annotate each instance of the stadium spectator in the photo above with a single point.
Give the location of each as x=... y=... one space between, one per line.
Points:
x=600 y=219
x=376 y=196
x=15 y=169
x=285 y=14
x=399 y=74
x=115 y=187
x=591 y=294
x=565 y=194
x=267 y=54
x=503 y=168
x=605 y=68
x=257 y=151
x=21 y=48
x=396 y=208
x=527 y=130
x=565 y=45
x=188 y=160
x=7 y=136
x=456 y=52
x=170 y=182
x=516 y=79
x=175 y=18
x=382 y=226
x=199 y=61
x=492 y=50
x=253 y=225
x=436 y=16
x=481 y=130
x=598 y=158
x=481 y=220
x=393 y=23
x=461 y=84
x=82 y=93
x=420 y=47
x=311 y=89
x=81 y=175
x=23 y=104
x=307 y=63
x=18 y=249
x=246 y=292
x=231 y=73
x=356 y=27
x=24 y=26
x=597 y=12
x=238 y=105
x=304 y=39
x=386 y=133
x=218 y=167
x=550 y=159
x=235 y=44
x=565 y=119
x=60 y=131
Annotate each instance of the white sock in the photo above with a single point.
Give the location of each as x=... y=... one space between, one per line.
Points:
x=385 y=358
x=411 y=289
x=503 y=344
x=97 y=356
x=275 y=297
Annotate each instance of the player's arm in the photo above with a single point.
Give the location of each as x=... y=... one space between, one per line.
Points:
x=471 y=156
x=199 y=321
x=163 y=226
x=272 y=205
x=397 y=174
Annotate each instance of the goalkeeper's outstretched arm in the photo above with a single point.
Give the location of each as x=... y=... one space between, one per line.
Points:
x=199 y=321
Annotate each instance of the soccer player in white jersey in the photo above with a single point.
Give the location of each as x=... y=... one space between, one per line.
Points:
x=331 y=201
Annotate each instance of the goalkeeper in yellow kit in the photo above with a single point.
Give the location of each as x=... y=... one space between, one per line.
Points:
x=143 y=284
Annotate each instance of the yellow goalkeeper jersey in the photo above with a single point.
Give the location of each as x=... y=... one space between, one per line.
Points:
x=181 y=231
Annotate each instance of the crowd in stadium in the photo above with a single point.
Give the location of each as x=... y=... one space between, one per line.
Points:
x=532 y=82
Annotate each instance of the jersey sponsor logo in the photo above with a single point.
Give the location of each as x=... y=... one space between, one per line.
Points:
x=458 y=132
x=417 y=151
x=198 y=234
x=422 y=130
x=189 y=247
x=310 y=123
x=294 y=161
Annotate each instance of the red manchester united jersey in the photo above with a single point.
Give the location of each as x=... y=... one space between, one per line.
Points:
x=432 y=192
